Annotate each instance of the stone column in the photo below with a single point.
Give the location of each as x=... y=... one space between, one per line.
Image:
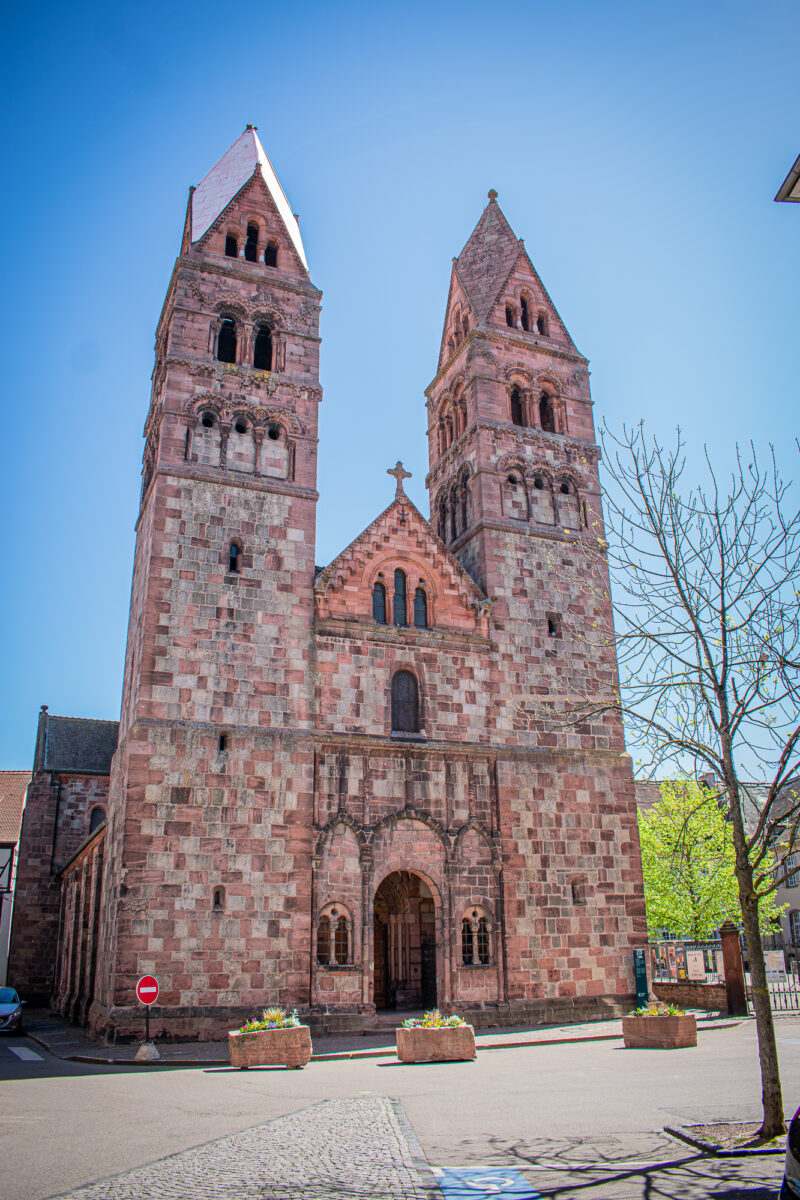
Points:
x=734 y=969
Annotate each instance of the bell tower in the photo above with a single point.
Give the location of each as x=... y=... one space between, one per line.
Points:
x=208 y=835
x=513 y=461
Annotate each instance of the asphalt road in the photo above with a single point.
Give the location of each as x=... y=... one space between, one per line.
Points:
x=576 y=1119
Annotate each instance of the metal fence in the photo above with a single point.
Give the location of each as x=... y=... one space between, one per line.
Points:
x=784 y=994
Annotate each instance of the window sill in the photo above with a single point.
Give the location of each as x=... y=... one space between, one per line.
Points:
x=476 y=966
x=337 y=966
x=402 y=735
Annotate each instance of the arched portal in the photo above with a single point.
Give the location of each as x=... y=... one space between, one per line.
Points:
x=405 y=943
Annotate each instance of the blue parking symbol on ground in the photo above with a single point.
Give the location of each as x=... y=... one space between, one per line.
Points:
x=478 y=1182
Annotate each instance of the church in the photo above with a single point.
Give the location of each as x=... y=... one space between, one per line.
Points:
x=326 y=789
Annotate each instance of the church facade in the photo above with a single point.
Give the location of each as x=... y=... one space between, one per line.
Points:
x=327 y=791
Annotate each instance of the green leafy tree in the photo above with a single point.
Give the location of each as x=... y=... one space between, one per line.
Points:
x=689 y=865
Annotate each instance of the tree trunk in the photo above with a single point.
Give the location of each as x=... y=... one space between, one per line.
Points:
x=771 y=1096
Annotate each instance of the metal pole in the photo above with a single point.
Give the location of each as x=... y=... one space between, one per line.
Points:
x=147 y=1022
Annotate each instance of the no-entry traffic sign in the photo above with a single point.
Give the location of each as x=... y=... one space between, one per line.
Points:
x=147 y=990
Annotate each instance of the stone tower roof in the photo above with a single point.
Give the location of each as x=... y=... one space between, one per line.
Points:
x=228 y=176
x=483 y=266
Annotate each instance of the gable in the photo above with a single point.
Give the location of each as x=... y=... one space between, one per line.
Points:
x=400 y=539
x=459 y=318
x=253 y=203
x=523 y=282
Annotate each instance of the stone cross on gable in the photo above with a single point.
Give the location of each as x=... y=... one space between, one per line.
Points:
x=399 y=475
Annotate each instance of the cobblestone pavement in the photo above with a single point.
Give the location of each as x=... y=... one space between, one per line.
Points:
x=339 y=1150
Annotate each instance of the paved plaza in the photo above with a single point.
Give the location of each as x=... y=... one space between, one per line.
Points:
x=569 y=1119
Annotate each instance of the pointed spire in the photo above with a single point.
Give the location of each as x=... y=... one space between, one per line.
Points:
x=228 y=176
x=486 y=260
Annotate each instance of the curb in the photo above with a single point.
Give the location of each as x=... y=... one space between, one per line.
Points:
x=719 y=1151
x=349 y=1055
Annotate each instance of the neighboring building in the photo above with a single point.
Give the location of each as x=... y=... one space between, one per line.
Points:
x=325 y=792
x=12 y=797
x=66 y=803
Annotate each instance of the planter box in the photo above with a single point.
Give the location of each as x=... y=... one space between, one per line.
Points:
x=659 y=1033
x=449 y=1043
x=271 y=1047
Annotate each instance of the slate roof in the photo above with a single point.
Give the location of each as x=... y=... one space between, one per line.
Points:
x=77 y=744
x=215 y=190
x=13 y=785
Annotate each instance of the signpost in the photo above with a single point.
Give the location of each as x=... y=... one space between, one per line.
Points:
x=147 y=994
x=640 y=972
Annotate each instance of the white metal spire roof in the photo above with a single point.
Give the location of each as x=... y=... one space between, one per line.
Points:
x=216 y=190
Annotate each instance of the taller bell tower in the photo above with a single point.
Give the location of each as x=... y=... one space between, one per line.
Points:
x=208 y=834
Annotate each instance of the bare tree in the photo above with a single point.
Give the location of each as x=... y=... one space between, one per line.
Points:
x=703 y=586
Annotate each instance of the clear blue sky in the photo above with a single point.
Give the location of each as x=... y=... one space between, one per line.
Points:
x=636 y=147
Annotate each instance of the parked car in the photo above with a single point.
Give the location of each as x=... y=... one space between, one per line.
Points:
x=10 y=1011
x=791 y=1176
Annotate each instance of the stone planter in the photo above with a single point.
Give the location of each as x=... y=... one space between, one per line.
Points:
x=271 y=1047
x=659 y=1033
x=448 y=1043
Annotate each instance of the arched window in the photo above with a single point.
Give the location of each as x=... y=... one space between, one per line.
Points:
x=524 y=314
x=271 y=254
x=218 y=899
x=420 y=609
x=231 y=246
x=234 y=557
x=379 y=603
x=96 y=818
x=516 y=407
x=251 y=245
x=226 y=341
x=463 y=495
x=541 y=324
x=324 y=940
x=341 y=943
x=399 y=608
x=466 y=942
x=262 y=349
x=510 y=316
x=546 y=415
x=482 y=944
x=405 y=702
x=207 y=420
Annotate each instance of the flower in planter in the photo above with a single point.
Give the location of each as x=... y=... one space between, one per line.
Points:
x=271 y=1018
x=433 y=1020
x=658 y=1010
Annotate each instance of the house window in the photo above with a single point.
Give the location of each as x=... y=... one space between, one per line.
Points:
x=207 y=420
x=405 y=702
x=420 y=609
x=541 y=324
x=262 y=349
x=546 y=415
x=234 y=557
x=399 y=606
x=231 y=246
x=96 y=818
x=226 y=341
x=510 y=317
x=524 y=314
x=271 y=255
x=578 y=892
x=218 y=900
x=553 y=625
x=793 y=878
x=222 y=743
x=379 y=603
x=324 y=940
x=466 y=942
x=516 y=407
x=251 y=245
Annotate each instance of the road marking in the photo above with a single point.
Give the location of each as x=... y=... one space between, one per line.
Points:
x=485 y=1181
x=26 y=1054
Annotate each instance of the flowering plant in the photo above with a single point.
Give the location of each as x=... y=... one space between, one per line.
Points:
x=271 y=1018
x=658 y=1010
x=432 y=1020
